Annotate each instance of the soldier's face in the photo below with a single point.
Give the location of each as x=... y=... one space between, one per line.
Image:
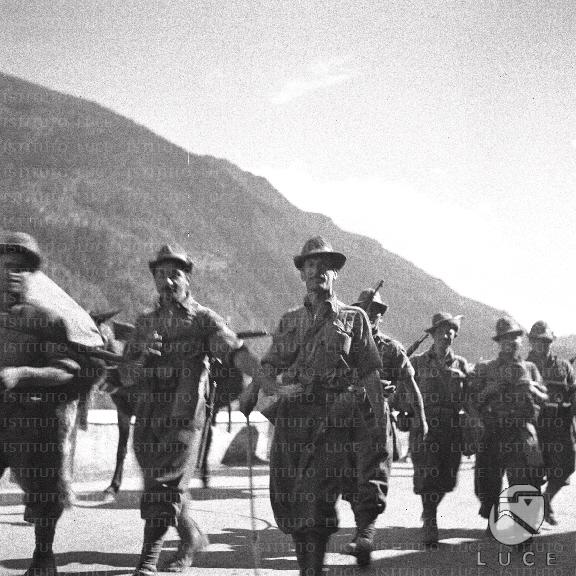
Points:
x=374 y=317
x=540 y=347
x=171 y=281
x=14 y=271
x=511 y=344
x=444 y=336
x=318 y=275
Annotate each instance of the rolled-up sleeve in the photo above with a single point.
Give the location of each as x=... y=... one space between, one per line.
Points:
x=222 y=341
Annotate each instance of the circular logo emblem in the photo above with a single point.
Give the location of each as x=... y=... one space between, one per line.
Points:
x=518 y=514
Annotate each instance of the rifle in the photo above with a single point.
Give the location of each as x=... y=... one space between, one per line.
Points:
x=415 y=345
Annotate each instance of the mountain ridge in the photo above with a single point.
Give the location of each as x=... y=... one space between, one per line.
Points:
x=101 y=193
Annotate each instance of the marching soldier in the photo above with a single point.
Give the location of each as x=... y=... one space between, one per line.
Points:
x=167 y=361
x=441 y=376
x=41 y=380
x=329 y=398
x=507 y=393
x=377 y=446
x=555 y=425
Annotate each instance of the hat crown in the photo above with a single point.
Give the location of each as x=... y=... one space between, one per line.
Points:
x=541 y=329
x=319 y=246
x=368 y=295
x=168 y=250
x=172 y=252
x=440 y=317
x=507 y=326
x=316 y=244
x=444 y=318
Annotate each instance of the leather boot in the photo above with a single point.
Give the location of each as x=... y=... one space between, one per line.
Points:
x=549 y=517
x=43 y=560
x=430 y=526
x=192 y=540
x=316 y=550
x=300 y=543
x=42 y=565
x=151 y=548
x=362 y=544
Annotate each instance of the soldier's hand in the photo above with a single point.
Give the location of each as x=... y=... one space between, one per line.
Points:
x=154 y=344
x=536 y=389
x=387 y=388
x=10 y=377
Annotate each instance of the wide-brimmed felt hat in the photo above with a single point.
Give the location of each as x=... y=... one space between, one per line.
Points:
x=319 y=246
x=376 y=303
x=507 y=327
x=541 y=331
x=21 y=243
x=169 y=253
x=442 y=318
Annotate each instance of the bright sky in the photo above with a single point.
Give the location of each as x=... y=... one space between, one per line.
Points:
x=446 y=129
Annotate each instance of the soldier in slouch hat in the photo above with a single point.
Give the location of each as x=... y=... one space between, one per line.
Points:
x=322 y=368
x=441 y=376
x=377 y=446
x=556 y=420
x=508 y=394
x=166 y=361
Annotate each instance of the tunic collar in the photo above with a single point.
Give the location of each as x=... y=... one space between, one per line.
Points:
x=330 y=303
x=188 y=304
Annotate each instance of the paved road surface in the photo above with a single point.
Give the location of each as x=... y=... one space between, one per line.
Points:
x=97 y=539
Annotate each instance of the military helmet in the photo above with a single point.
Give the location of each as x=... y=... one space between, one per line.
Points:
x=169 y=253
x=376 y=304
x=541 y=331
x=441 y=318
x=319 y=246
x=21 y=243
x=507 y=327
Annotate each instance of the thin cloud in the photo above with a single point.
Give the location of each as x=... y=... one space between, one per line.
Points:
x=320 y=77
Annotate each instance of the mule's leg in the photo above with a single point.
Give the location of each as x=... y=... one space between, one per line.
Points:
x=123 y=434
x=204 y=470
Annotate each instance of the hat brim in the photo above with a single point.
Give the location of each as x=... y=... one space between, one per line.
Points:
x=379 y=306
x=337 y=260
x=184 y=264
x=499 y=337
x=34 y=258
x=547 y=337
x=455 y=322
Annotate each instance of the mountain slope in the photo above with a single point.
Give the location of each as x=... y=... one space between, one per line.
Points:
x=101 y=193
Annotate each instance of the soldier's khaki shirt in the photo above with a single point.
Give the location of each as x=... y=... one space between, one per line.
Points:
x=170 y=386
x=441 y=381
x=499 y=394
x=558 y=375
x=331 y=350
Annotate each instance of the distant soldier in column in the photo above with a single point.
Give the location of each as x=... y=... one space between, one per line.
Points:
x=556 y=424
x=329 y=398
x=441 y=376
x=166 y=361
x=41 y=379
x=377 y=446
x=507 y=393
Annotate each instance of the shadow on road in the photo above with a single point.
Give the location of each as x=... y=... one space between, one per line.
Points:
x=466 y=550
x=130 y=499
x=87 y=560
